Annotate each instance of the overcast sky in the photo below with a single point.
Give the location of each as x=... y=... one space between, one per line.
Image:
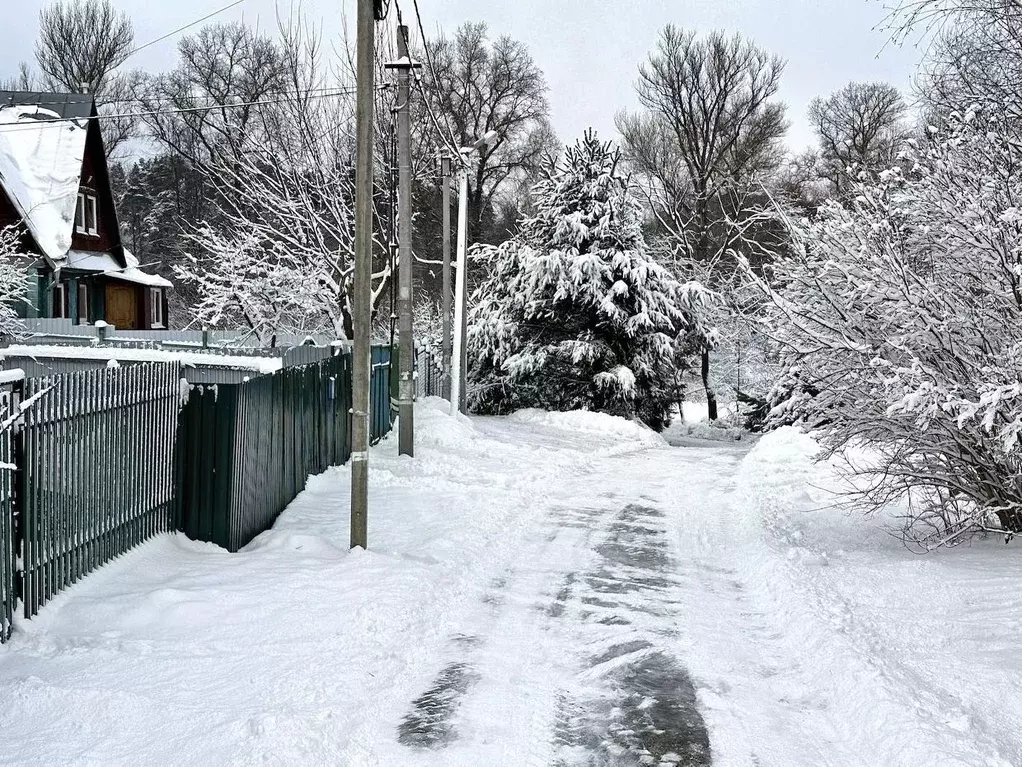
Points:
x=590 y=50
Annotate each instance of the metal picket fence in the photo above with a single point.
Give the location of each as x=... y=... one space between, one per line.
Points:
x=9 y=397
x=429 y=374
x=108 y=458
x=97 y=471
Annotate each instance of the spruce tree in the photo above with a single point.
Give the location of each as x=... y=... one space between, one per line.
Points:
x=574 y=312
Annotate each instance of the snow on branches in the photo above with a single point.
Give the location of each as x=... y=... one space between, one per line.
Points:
x=901 y=322
x=574 y=312
x=13 y=280
x=277 y=254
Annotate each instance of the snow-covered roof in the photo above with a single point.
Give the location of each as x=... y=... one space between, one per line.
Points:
x=107 y=264
x=40 y=170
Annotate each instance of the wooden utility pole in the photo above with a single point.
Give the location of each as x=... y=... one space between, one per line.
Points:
x=361 y=299
x=406 y=358
x=445 y=304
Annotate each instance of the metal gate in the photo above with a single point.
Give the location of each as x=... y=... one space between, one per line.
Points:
x=96 y=471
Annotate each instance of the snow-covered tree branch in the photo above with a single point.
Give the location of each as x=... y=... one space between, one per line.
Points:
x=901 y=323
x=13 y=280
x=278 y=255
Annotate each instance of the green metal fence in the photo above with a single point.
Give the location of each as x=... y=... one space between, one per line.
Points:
x=8 y=556
x=246 y=450
x=107 y=458
x=96 y=474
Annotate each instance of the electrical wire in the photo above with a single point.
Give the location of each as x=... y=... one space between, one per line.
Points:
x=35 y=124
x=161 y=38
x=453 y=145
x=173 y=99
x=450 y=144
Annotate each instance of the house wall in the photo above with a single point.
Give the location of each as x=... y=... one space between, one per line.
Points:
x=94 y=179
x=8 y=213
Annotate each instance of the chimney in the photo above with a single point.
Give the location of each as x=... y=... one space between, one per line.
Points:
x=83 y=87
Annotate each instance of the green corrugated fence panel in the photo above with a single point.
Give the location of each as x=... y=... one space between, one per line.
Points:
x=270 y=434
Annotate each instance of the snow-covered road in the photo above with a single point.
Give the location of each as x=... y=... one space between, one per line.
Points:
x=547 y=589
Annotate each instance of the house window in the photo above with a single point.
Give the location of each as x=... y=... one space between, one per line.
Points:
x=58 y=300
x=83 y=304
x=156 y=307
x=87 y=214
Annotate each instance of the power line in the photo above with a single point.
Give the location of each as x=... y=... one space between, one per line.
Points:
x=155 y=113
x=453 y=145
x=182 y=29
x=172 y=99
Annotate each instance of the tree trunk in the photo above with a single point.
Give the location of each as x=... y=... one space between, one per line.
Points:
x=711 y=397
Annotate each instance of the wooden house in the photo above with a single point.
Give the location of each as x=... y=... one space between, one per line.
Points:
x=55 y=185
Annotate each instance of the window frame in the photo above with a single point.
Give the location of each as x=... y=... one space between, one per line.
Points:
x=87 y=199
x=156 y=318
x=83 y=303
x=58 y=301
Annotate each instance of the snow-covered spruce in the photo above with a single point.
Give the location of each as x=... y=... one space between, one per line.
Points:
x=574 y=312
x=901 y=317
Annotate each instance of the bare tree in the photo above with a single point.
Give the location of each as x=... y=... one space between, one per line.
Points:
x=797 y=181
x=25 y=80
x=81 y=42
x=481 y=86
x=861 y=129
x=975 y=53
x=709 y=125
x=708 y=132
x=225 y=66
x=278 y=253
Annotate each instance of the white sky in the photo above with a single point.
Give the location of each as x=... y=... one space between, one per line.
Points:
x=590 y=50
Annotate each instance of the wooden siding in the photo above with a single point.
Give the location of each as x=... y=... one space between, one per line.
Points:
x=95 y=179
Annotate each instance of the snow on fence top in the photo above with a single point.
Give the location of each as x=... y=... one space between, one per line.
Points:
x=40 y=168
x=259 y=364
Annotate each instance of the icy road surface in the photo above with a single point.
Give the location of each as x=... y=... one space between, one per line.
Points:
x=560 y=589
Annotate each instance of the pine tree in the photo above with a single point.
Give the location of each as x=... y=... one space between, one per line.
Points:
x=574 y=313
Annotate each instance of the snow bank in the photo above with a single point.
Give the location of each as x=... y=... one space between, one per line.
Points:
x=40 y=167
x=587 y=421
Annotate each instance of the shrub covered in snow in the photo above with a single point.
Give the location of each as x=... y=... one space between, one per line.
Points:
x=13 y=280
x=574 y=313
x=901 y=317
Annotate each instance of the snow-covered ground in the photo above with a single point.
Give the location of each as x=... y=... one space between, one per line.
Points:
x=541 y=589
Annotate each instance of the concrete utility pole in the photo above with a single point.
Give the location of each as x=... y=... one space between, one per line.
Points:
x=459 y=398
x=406 y=354
x=460 y=293
x=445 y=181
x=361 y=298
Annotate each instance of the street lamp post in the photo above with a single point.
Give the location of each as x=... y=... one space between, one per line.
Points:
x=459 y=357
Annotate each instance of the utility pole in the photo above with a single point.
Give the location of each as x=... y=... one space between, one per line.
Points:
x=460 y=293
x=459 y=398
x=361 y=299
x=406 y=353
x=445 y=181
